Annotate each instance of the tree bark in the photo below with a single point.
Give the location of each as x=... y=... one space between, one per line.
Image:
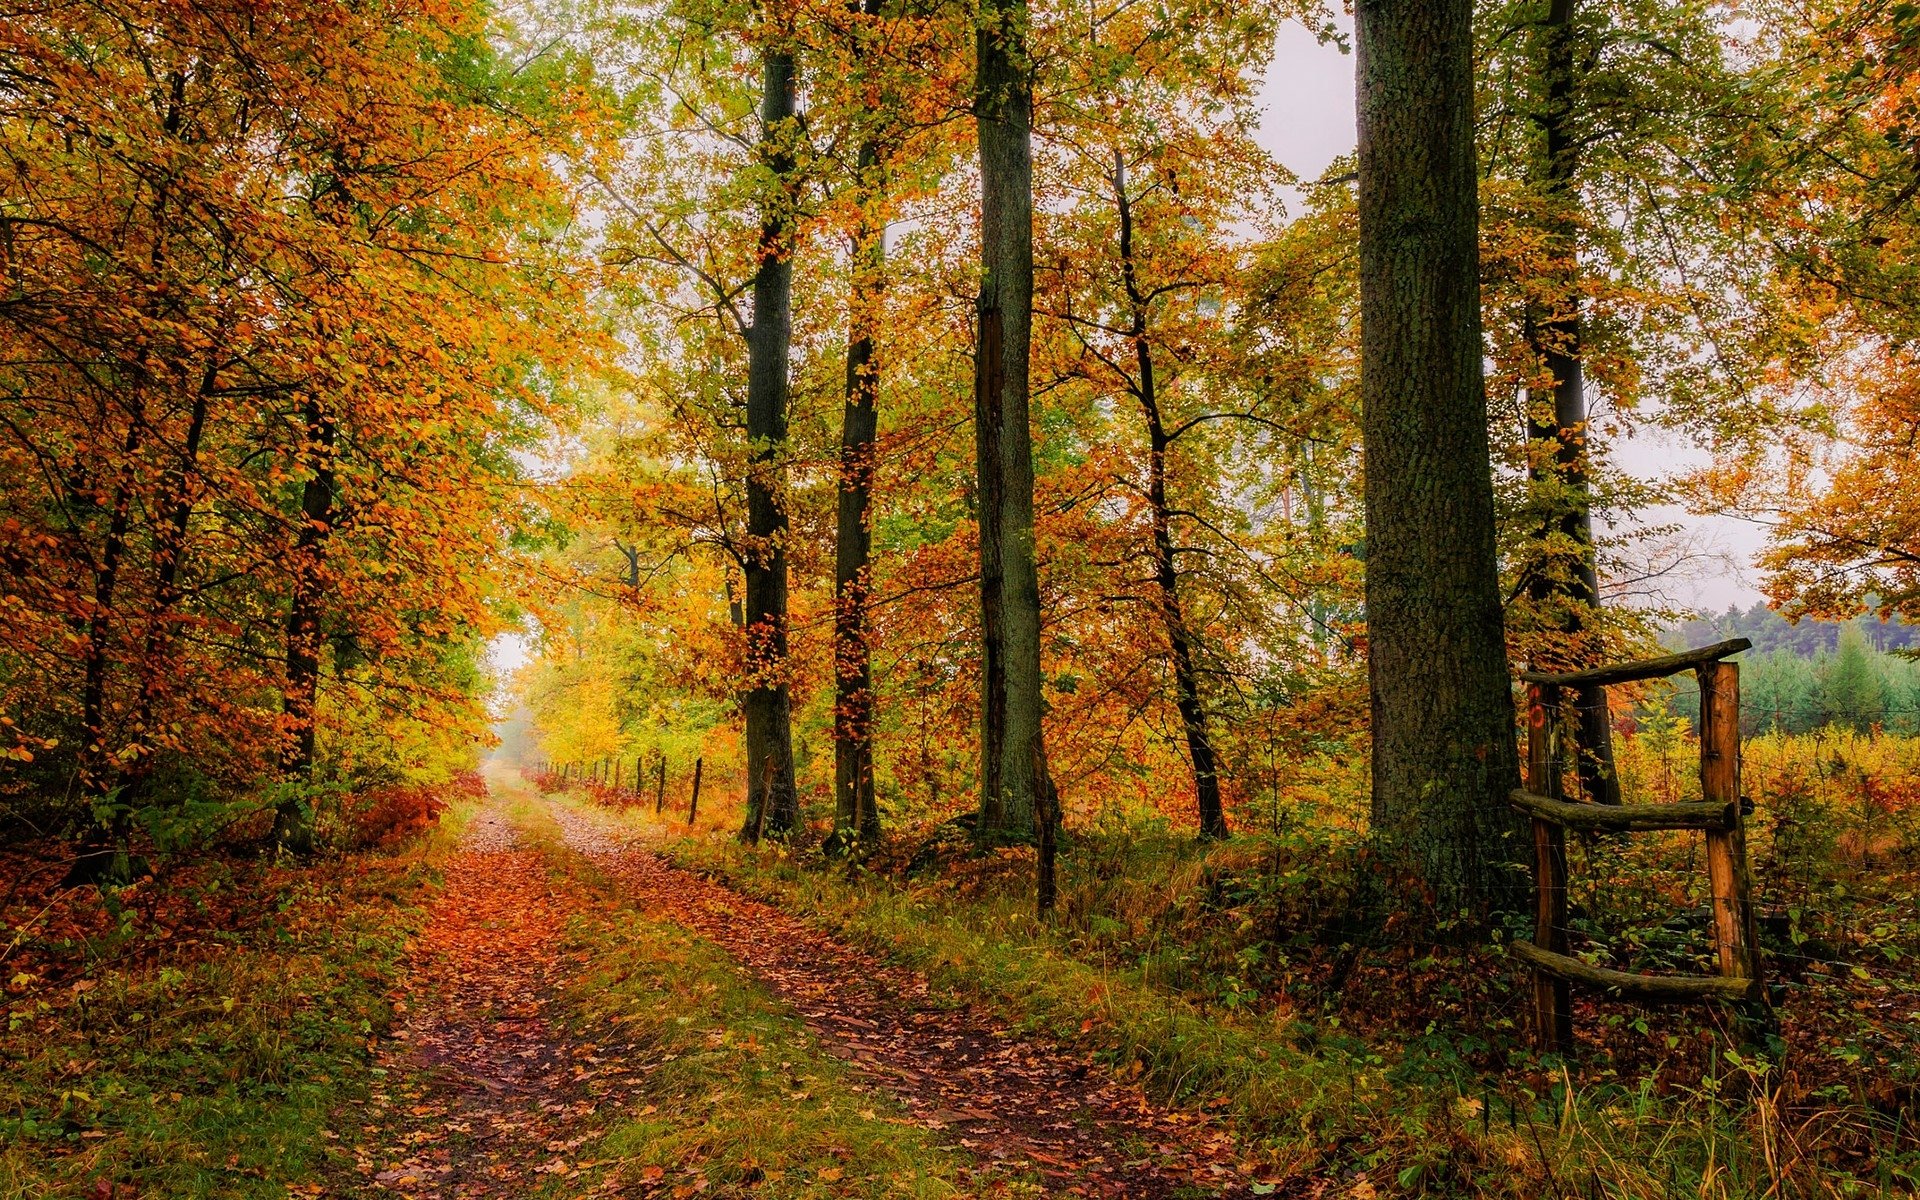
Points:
x=769 y=734
x=293 y=822
x=855 y=814
x=1562 y=426
x=1180 y=642
x=1003 y=112
x=993 y=677
x=103 y=850
x=96 y=774
x=1444 y=758
x=106 y=582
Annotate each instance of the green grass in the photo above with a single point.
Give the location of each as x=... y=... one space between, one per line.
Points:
x=214 y=1069
x=210 y=1069
x=990 y=949
x=1391 y=1112
x=737 y=1096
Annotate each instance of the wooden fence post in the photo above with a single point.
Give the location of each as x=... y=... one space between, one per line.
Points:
x=1552 y=1006
x=1733 y=917
x=1719 y=814
x=693 y=806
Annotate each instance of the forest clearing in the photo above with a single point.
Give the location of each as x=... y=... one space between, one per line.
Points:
x=674 y=598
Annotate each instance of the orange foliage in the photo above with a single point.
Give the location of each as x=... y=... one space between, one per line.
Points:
x=385 y=815
x=281 y=301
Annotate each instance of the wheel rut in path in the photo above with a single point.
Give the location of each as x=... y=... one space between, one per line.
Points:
x=487 y=1092
x=1014 y=1104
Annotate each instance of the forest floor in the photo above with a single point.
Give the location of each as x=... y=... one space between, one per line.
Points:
x=556 y=1000
x=489 y=1089
x=569 y=995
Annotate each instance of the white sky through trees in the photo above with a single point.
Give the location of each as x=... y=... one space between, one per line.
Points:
x=1308 y=121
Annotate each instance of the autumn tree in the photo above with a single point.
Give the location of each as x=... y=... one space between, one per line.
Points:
x=710 y=189
x=1557 y=418
x=267 y=471
x=681 y=203
x=1014 y=772
x=1156 y=146
x=880 y=81
x=769 y=739
x=1443 y=734
x=1836 y=196
x=855 y=809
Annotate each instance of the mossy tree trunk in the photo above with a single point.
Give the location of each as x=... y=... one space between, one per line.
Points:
x=772 y=802
x=1003 y=110
x=1444 y=754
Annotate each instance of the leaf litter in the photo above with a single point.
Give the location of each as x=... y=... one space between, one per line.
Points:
x=490 y=1089
x=494 y=1088
x=1017 y=1105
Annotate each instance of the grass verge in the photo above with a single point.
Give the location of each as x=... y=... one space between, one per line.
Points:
x=189 y=1037
x=1322 y=1105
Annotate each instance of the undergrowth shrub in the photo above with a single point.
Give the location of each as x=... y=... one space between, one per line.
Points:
x=387 y=815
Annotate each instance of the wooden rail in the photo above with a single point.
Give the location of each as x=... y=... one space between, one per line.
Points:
x=1646 y=668
x=1718 y=814
x=1625 y=984
x=1625 y=817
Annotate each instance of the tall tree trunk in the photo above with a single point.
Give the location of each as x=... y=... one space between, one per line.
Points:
x=106 y=582
x=773 y=805
x=1444 y=756
x=169 y=555
x=1562 y=426
x=855 y=813
x=1166 y=577
x=993 y=670
x=96 y=774
x=1003 y=112
x=1180 y=640
x=293 y=822
x=103 y=852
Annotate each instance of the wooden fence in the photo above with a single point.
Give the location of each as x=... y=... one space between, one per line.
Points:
x=1720 y=813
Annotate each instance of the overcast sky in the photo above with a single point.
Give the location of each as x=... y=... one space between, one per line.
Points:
x=1308 y=122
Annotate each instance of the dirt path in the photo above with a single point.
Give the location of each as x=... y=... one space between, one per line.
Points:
x=1017 y=1106
x=493 y=1092
x=489 y=1093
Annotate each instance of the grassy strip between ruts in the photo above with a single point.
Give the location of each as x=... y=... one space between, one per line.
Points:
x=1330 y=1104
x=207 y=1060
x=738 y=1096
